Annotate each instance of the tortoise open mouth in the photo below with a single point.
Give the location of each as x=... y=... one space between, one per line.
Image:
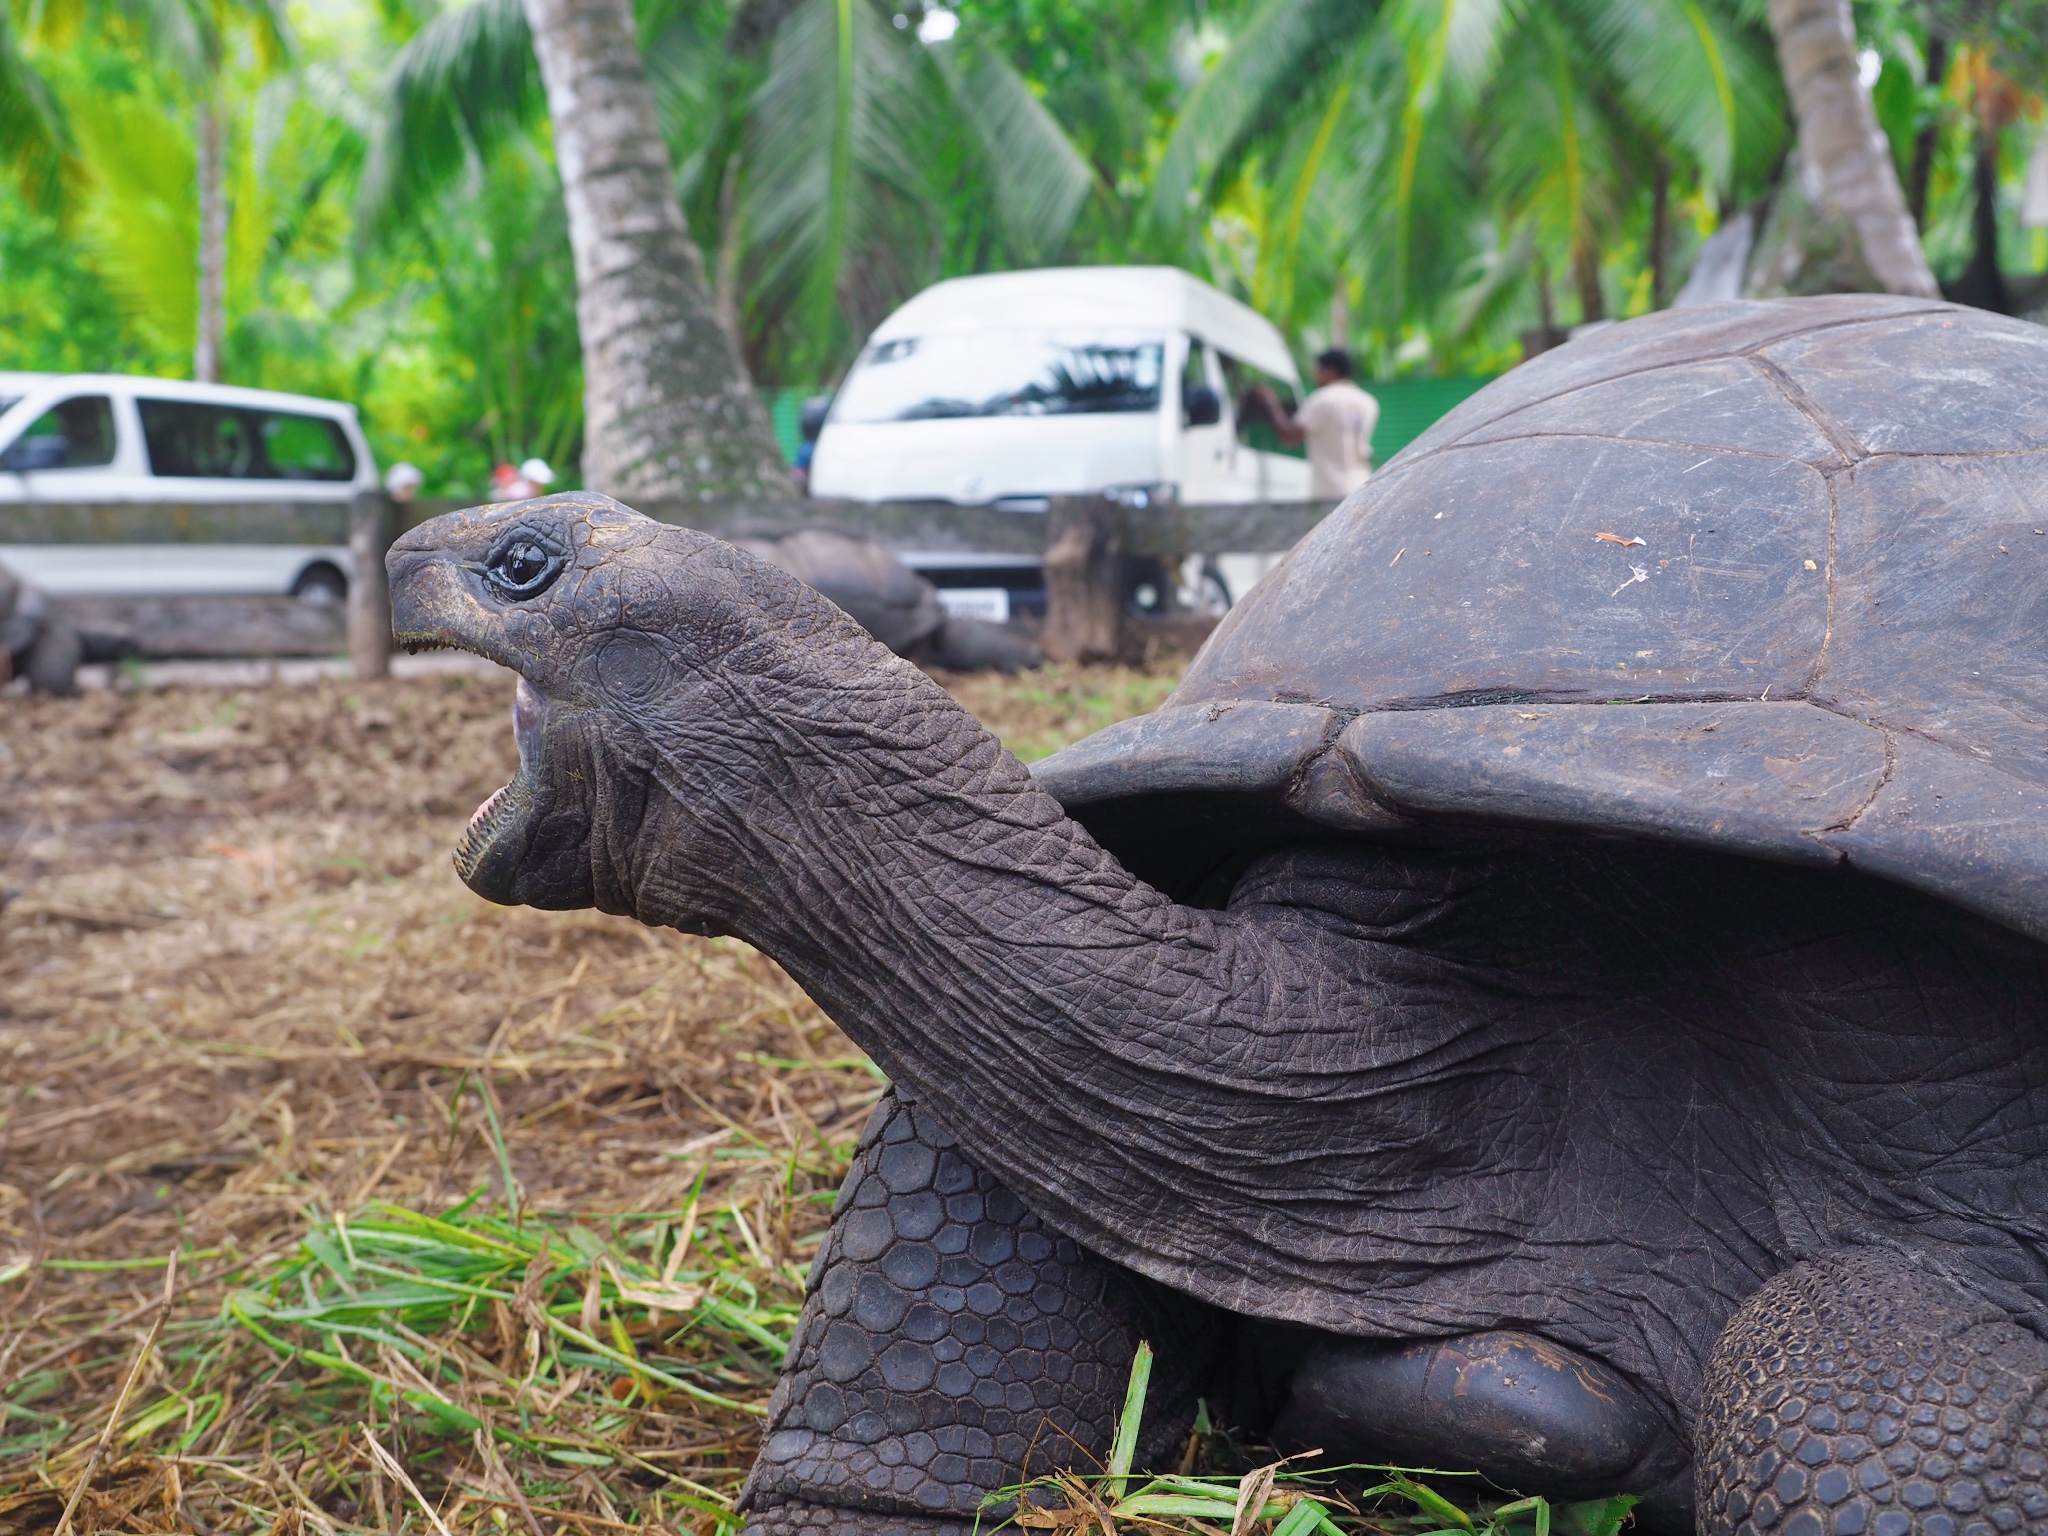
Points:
x=504 y=807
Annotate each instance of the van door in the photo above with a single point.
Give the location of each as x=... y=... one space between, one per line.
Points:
x=1208 y=444
x=1267 y=468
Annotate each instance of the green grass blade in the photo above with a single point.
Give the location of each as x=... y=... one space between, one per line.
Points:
x=1432 y=1503
x=1179 y=1505
x=1306 y=1516
x=1125 y=1446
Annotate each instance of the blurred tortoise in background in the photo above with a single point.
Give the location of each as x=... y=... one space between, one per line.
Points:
x=1558 y=990
x=892 y=602
x=37 y=640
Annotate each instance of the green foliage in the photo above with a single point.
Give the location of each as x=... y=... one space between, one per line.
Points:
x=56 y=314
x=1425 y=180
x=137 y=217
x=495 y=294
x=1447 y=171
x=462 y=85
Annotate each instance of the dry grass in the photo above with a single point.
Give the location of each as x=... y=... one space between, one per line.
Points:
x=250 y=1019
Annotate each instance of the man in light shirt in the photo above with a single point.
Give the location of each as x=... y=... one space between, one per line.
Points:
x=1336 y=422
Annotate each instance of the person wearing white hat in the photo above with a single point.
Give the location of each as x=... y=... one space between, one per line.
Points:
x=402 y=481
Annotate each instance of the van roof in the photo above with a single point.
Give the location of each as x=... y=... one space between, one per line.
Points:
x=1165 y=297
x=173 y=389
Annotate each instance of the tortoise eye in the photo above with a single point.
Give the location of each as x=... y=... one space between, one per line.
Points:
x=523 y=568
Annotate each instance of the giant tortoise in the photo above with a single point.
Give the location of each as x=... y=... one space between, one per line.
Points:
x=1560 y=989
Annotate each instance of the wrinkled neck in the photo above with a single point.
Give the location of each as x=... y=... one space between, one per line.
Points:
x=889 y=853
x=994 y=960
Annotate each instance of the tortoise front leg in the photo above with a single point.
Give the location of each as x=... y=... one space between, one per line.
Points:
x=1864 y=1395
x=951 y=1345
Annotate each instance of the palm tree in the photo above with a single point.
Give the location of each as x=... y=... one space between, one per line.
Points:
x=1461 y=160
x=1993 y=56
x=188 y=41
x=1839 y=134
x=668 y=412
x=827 y=158
x=33 y=143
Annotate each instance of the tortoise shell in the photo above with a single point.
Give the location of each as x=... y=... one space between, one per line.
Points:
x=1769 y=577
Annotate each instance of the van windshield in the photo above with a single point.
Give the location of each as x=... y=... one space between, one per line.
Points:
x=1001 y=373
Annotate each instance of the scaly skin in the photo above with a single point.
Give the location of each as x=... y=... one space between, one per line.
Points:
x=1594 y=1094
x=951 y=1344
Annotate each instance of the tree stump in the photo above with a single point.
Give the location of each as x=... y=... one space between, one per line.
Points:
x=371 y=517
x=1084 y=541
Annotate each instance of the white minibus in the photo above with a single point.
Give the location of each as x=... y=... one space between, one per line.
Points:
x=1005 y=389
x=118 y=486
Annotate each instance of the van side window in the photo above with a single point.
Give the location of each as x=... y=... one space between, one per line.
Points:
x=226 y=442
x=306 y=447
x=75 y=434
x=188 y=439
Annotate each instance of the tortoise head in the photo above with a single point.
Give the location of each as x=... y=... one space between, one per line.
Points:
x=641 y=650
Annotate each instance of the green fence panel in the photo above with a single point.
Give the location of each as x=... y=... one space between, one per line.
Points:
x=785 y=410
x=1410 y=407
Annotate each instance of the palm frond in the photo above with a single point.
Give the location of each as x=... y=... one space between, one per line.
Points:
x=1550 y=155
x=1263 y=68
x=1684 y=67
x=139 y=215
x=700 y=86
x=34 y=140
x=836 y=203
x=1039 y=178
x=269 y=28
x=1485 y=311
x=1353 y=212
x=1451 y=48
x=466 y=81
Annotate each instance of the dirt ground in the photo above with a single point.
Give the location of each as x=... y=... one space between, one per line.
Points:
x=242 y=994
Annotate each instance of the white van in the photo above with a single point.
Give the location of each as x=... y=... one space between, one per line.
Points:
x=1019 y=385
x=118 y=486
x=1005 y=389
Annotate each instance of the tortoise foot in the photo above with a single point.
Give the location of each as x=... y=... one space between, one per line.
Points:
x=1529 y=1414
x=1861 y=1395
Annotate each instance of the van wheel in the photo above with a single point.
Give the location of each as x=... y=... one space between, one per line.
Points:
x=1147 y=591
x=52 y=664
x=322 y=585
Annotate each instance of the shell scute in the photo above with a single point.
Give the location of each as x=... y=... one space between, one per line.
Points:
x=1468 y=576
x=1950 y=382
x=1730 y=405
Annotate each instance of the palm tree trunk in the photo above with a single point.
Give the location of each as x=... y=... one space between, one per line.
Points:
x=1839 y=134
x=1982 y=284
x=669 y=413
x=1924 y=140
x=1586 y=276
x=213 y=244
